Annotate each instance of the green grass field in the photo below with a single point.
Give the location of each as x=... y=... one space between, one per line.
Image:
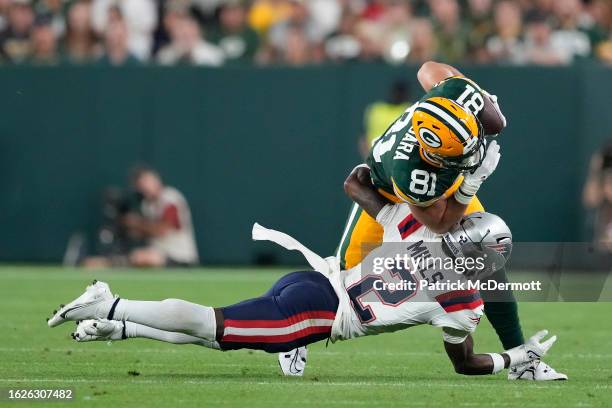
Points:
x=407 y=368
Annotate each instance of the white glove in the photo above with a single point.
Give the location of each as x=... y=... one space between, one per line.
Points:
x=533 y=349
x=493 y=99
x=472 y=181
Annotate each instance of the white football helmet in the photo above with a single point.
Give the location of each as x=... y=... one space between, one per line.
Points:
x=480 y=235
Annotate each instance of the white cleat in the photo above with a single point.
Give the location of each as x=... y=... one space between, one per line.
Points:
x=293 y=363
x=99 y=330
x=535 y=370
x=83 y=307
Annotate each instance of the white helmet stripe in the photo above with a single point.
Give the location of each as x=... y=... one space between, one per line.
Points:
x=459 y=130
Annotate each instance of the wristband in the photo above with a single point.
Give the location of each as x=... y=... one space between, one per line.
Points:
x=463 y=197
x=468 y=189
x=385 y=215
x=498 y=362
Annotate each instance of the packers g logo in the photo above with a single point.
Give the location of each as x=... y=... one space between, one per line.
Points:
x=430 y=138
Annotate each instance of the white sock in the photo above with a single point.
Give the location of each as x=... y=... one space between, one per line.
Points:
x=171 y=315
x=135 y=330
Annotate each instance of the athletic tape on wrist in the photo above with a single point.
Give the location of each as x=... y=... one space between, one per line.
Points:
x=498 y=362
x=462 y=198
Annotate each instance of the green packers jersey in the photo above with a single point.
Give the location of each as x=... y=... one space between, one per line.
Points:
x=395 y=161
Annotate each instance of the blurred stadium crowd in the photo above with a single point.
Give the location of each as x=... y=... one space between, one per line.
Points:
x=301 y=32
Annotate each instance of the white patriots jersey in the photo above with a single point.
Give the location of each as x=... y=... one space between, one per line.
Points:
x=375 y=305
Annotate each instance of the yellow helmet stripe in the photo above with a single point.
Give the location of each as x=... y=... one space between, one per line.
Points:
x=454 y=123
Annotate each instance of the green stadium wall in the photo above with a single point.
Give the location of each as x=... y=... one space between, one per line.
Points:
x=268 y=145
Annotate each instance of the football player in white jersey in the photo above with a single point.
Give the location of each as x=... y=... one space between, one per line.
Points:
x=306 y=307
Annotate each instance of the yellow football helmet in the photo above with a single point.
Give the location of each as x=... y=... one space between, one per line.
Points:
x=448 y=134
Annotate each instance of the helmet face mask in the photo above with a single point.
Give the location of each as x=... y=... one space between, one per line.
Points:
x=449 y=135
x=482 y=236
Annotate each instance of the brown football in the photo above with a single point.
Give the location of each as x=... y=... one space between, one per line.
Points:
x=490 y=118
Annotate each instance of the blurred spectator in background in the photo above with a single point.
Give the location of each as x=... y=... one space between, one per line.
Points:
x=297 y=49
x=600 y=32
x=187 y=45
x=480 y=21
x=506 y=44
x=80 y=44
x=15 y=39
x=325 y=15
x=379 y=114
x=44 y=43
x=4 y=8
x=116 y=52
x=206 y=8
x=295 y=40
x=538 y=47
x=343 y=43
x=373 y=10
x=569 y=35
x=265 y=13
x=140 y=18
x=423 y=44
x=238 y=41
x=54 y=9
x=597 y=197
x=451 y=32
x=300 y=32
x=395 y=35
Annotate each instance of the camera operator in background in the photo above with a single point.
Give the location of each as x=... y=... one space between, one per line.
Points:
x=164 y=223
x=597 y=196
x=156 y=232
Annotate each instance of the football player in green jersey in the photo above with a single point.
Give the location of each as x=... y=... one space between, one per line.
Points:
x=433 y=158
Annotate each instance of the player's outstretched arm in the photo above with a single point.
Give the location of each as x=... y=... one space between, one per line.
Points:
x=466 y=362
x=358 y=186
